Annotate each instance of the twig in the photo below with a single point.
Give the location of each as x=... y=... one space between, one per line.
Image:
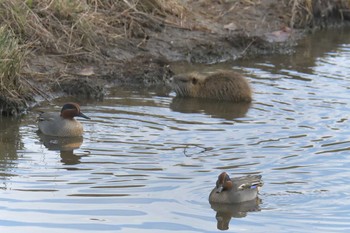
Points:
x=246 y=48
x=204 y=149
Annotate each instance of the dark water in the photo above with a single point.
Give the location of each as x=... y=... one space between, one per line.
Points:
x=148 y=162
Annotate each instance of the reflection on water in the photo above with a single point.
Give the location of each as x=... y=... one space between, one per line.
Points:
x=10 y=139
x=226 y=110
x=225 y=212
x=148 y=161
x=65 y=145
x=61 y=143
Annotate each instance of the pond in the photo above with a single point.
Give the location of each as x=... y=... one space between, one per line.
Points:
x=148 y=161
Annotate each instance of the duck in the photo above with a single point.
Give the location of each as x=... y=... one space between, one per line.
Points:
x=235 y=190
x=63 y=124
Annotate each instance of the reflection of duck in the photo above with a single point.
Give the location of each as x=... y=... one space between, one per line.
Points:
x=224 y=109
x=63 y=125
x=66 y=146
x=224 y=212
x=69 y=158
x=61 y=143
x=235 y=190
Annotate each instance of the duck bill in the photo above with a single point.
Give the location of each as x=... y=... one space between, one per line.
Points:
x=219 y=189
x=83 y=116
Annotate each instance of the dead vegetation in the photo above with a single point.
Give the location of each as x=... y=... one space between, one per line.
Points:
x=319 y=13
x=72 y=27
x=73 y=30
x=13 y=92
x=80 y=33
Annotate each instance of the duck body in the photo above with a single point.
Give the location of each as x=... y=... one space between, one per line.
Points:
x=235 y=190
x=64 y=124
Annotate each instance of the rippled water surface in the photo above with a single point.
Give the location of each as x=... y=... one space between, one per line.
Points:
x=148 y=161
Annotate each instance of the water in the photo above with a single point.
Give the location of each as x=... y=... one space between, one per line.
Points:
x=148 y=162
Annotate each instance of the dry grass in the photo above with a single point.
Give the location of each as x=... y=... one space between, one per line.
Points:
x=12 y=90
x=304 y=12
x=75 y=26
x=71 y=29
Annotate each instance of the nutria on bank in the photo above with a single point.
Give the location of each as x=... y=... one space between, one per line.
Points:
x=220 y=85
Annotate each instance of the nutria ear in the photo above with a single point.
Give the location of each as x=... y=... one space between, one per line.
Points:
x=194 y=81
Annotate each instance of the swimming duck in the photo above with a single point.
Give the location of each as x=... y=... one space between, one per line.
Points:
x=63 y=125
x=235 y=190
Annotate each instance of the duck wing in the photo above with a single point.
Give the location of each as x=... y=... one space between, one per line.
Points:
x=247 y=182
x=45 y=116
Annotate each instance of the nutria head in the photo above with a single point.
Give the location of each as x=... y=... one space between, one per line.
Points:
x=220 y=85
x=187 y=84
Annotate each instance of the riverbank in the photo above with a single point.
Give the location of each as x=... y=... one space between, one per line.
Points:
x=81 y=47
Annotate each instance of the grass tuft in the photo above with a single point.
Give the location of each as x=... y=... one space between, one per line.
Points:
x=306 y=12
x=11 y=59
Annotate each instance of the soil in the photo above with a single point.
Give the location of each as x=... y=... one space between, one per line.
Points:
x=212 y=31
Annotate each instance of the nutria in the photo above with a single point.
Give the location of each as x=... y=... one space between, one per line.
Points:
x=220 y=85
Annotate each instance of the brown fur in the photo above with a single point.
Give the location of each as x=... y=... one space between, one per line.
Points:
x=220 y=85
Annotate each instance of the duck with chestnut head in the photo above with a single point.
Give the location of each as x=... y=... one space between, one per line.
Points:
x=63 y=124
x=235 y=190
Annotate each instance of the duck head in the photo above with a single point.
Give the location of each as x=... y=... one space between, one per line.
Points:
x=223 y=183
x=70 y=110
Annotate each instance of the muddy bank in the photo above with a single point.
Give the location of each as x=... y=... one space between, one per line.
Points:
x=133 y=44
